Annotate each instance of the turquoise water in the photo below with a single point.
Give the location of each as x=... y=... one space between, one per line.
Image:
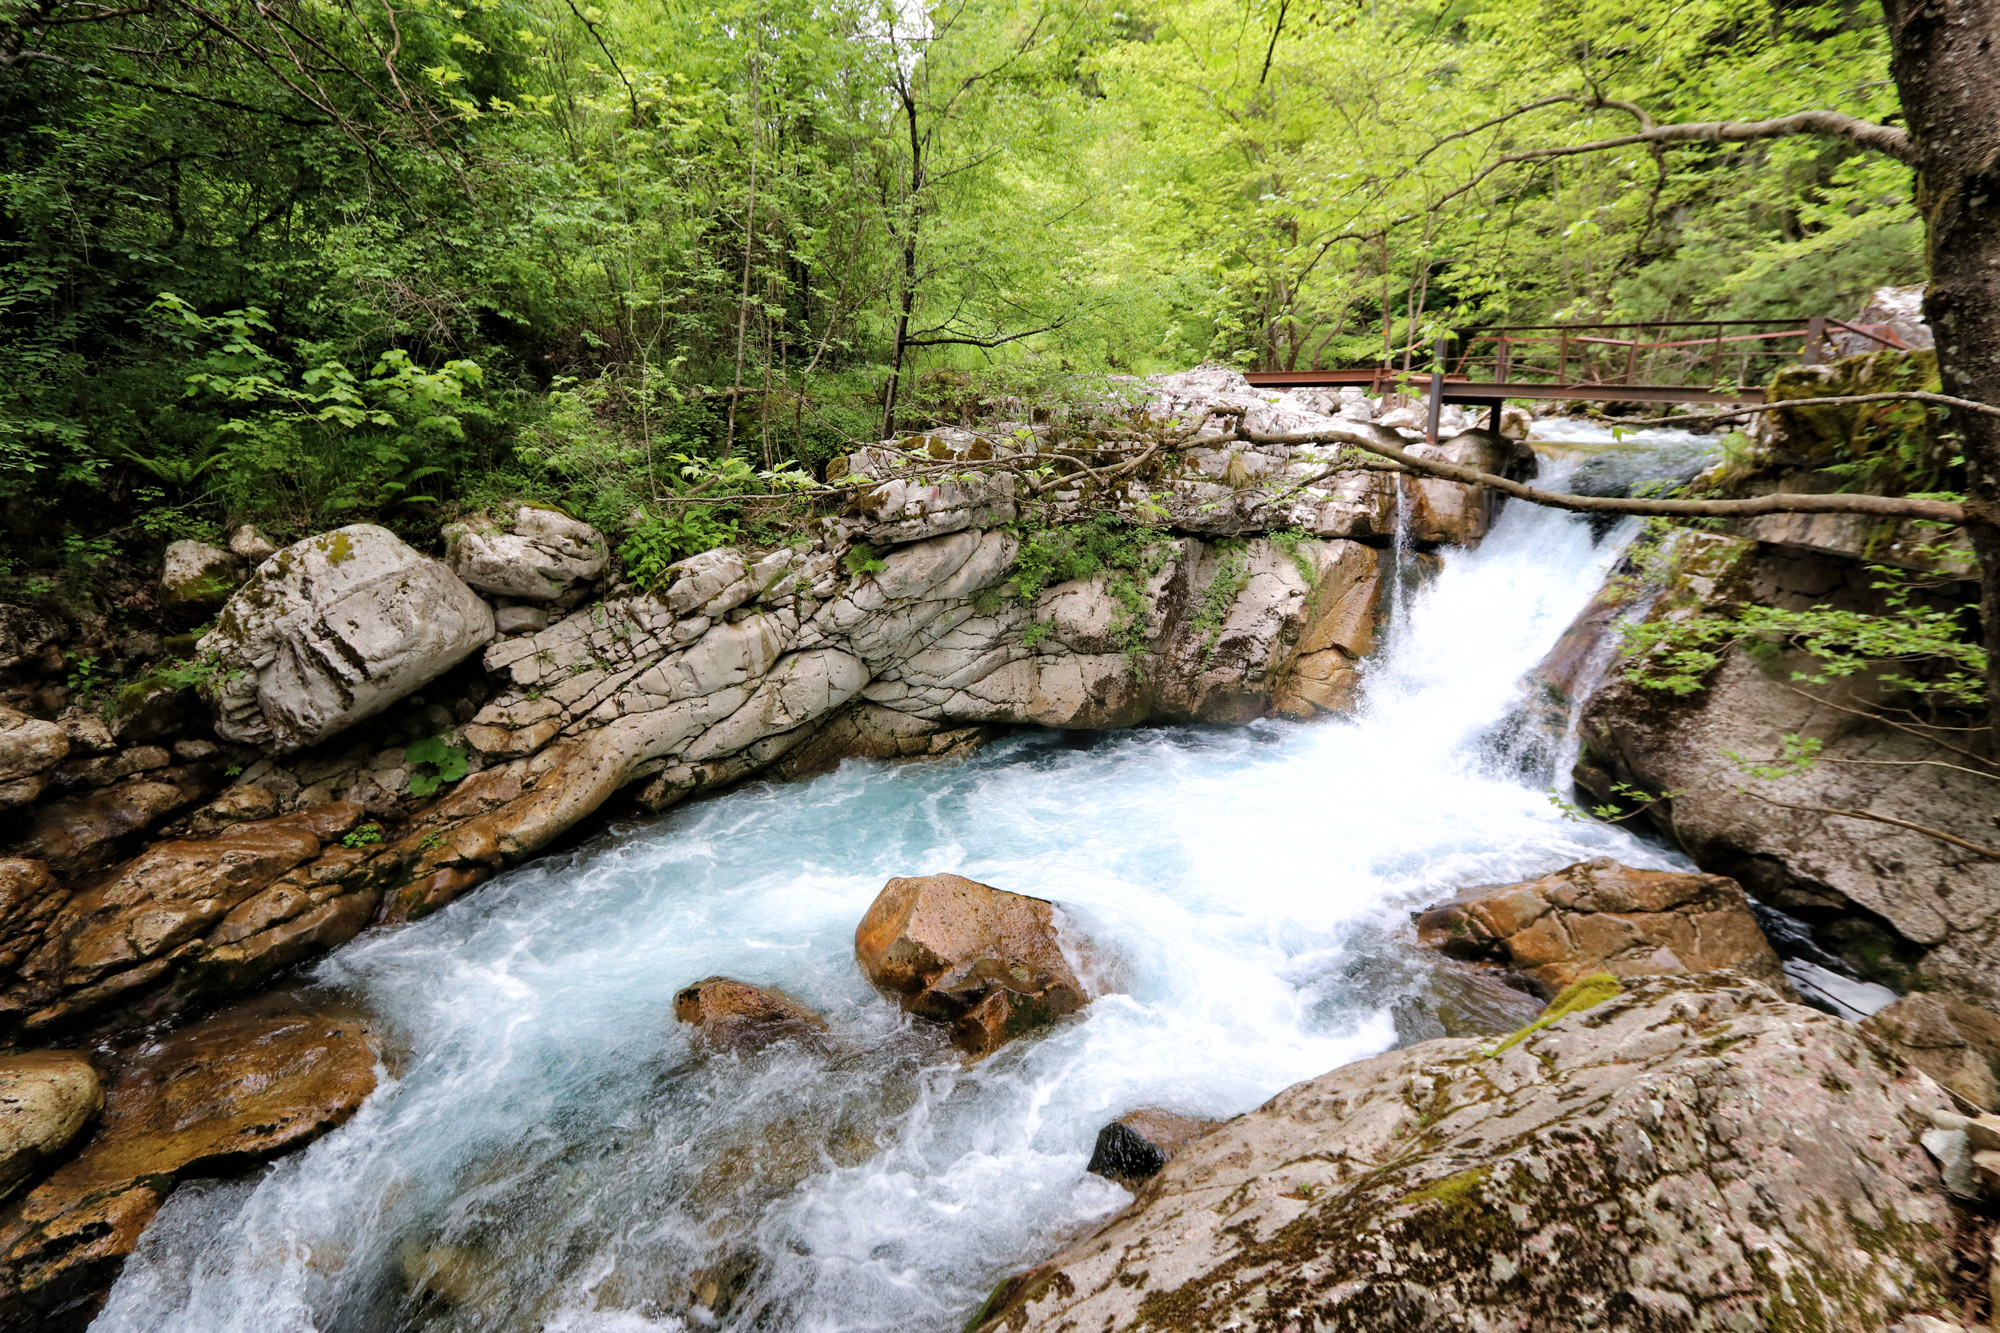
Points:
x=546 y=1151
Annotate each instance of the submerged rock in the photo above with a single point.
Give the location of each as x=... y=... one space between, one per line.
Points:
x=334 y=629
x=219 y=1095
x=984 y=960
x=1668 y=1159
x=735 y=1015
x=1600 y=916
x=1132 y=1149
x=46 y=1098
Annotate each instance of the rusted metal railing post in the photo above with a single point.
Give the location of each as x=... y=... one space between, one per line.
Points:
x=1815 y=331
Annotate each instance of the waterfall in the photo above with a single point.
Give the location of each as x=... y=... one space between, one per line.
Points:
x=546 y=1151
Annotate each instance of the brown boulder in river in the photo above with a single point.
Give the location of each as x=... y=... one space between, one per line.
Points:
x=1600 y=916
x=221 y=1094
x=982 y=959
x=736 y=1015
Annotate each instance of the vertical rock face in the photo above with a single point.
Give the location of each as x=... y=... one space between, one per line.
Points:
x=982 y=959
x=1600 y=916
x=1670 y=1159
x=1897 y=906
x=334 y=629
x=228 y=1091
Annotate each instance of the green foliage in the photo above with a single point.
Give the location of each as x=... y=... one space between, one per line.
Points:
x=1130 y=555
x=434 y=763
x=1927 y=649
x=861 y=558
x=1232 y=576
x=655 y=542
x=367 y=835
x=512 y=250
x=1627 y=801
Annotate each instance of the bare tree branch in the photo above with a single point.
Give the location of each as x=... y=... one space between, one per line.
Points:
x=1378 y=440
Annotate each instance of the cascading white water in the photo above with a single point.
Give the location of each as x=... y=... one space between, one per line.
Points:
x=550 y=1153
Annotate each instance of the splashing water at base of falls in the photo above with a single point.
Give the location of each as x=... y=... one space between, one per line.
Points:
x=552 y=1154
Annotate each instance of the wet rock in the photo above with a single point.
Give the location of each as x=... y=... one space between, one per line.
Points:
x=1450 y=512
x=217 y=1096
x=735 y=1015
x=104 y=769
x=198 y=577
x=82 y=833
x=1694 y=1153
x=543 y=556
x=1600 y=916
x=136 y=927
x=237 y=805
x=1132 y=1149
x=984 y=960
x=1955 y=1042
x=334 y=629
x=149 y=709
x=28 y=746
x=46 y=1098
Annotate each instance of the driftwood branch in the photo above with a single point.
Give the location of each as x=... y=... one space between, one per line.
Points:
x=1913 y=395
x=1379 y=440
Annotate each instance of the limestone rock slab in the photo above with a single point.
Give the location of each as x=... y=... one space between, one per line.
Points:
x=540 y=556
x=334 y=629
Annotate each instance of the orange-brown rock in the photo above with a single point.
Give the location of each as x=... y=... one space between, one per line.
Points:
x=46 y=1097
x=235 y=1089
x=130 y=929
x=1600 y=916
x=736 y=1015
x=982 y=959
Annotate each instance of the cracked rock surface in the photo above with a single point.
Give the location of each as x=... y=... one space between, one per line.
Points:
x=1670 y=1159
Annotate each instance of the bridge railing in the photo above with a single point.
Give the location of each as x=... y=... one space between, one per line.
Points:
x=1722 y=354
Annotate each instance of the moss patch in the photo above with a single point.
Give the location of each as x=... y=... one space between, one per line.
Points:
x=1578 y=996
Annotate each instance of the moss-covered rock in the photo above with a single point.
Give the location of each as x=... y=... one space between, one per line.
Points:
x=1686 y=1155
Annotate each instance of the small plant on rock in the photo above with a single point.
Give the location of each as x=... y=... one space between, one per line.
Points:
x=434 y=762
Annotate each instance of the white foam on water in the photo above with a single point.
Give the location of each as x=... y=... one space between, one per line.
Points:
x=553 y=1155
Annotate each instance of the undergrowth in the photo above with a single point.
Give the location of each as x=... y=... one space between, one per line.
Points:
x=1131 y=555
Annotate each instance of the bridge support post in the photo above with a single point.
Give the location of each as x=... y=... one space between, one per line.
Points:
x=1493 y=418
x=1436 y=405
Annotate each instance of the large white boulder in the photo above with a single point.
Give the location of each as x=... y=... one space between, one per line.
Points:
x=334 y=629
x=545 y=555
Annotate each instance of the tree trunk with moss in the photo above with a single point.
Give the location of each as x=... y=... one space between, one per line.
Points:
x=1945 y=55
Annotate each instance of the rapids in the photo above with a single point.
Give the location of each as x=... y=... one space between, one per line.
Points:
x=546 y=1152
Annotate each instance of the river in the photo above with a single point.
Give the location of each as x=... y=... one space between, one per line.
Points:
x=547 y=1152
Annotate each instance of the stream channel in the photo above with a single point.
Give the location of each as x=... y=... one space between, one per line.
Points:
x=546 y=1151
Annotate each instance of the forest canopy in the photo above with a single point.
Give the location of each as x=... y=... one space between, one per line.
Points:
x=307 y=262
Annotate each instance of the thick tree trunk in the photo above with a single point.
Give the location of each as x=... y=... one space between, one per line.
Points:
x=1945 y=55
